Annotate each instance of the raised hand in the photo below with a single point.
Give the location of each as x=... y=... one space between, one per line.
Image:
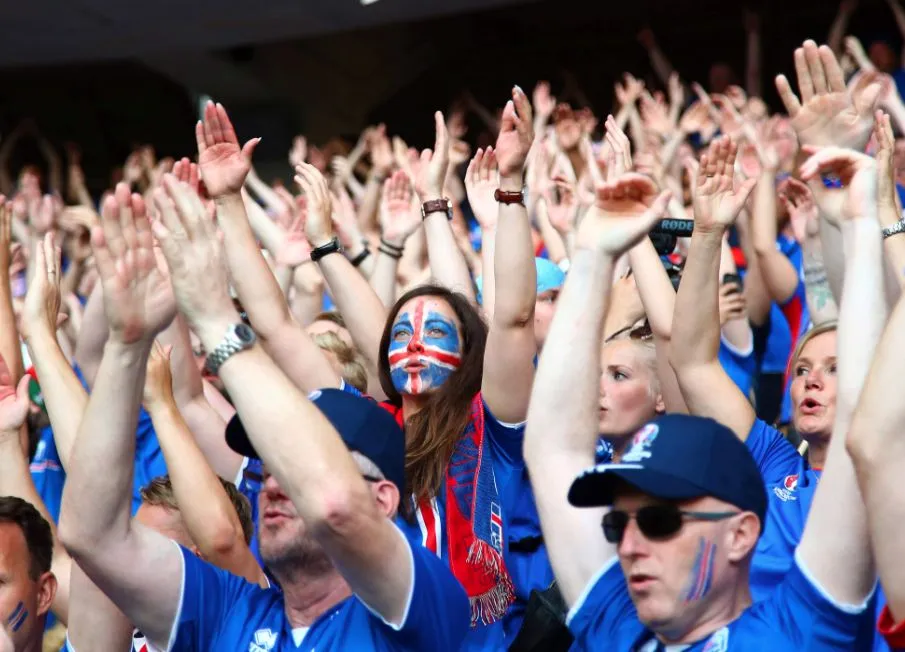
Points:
x=481 y=180
x=224 y=165
x=544 y=102
x=655 y=114
x=732 y=303
x=195 y=256
x=137 y=295
x=629 y=92
x=828 y=114
x=798 y=200
x=886 y=168
x=294 y=249
x=42 y=301
x=319 y=223
x=716 y=201
x=158 y=388
x=188 y=172
x=399 y=217
x=42 y=215
x=855 y=172
x=14 y=401
x=562 y=211
x=381 y=151
x=625 y=211
x=618 y=150
x=434 y=163
x=299 y=151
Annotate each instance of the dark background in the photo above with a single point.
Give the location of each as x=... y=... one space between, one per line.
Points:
x=398 y=73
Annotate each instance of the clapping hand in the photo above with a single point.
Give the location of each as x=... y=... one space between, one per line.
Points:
x=224 y=165
x=716 y=201
x=481 y=180
x=319 y=222
x=14 y=401
x=798 y=200
x=399 y=218
x=514 y=140
x=434 y=163
x=41 y=311
x=857 y=175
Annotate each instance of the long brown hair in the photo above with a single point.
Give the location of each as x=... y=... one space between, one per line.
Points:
x=432 y=433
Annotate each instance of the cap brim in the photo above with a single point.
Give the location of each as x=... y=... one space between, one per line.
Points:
x=237 y=439
x=596 y=487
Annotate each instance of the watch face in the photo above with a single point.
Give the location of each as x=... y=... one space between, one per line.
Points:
x=244 y=333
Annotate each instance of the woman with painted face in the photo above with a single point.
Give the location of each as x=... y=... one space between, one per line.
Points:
x=459 y=389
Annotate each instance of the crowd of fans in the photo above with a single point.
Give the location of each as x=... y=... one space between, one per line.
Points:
x=456 y=400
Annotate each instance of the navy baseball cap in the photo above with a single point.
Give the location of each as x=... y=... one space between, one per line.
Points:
x=362 y=424
x=679 y=457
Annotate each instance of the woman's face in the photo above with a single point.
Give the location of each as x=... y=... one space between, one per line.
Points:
x=627 y=398
x=814 y=387
x=425 y=346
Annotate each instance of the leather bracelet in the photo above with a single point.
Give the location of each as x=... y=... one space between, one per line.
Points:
x=436 y=206
x=329 y=248
x=360 y=258
x=387 y=252
x=509 y=196
x=384 y=243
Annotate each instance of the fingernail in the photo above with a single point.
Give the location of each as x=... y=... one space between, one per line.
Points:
x=519 y=89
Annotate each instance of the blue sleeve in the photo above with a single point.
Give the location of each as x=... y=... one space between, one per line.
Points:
x=739 y=366
x=775 y=456
x=438 y=614
x=806 y=614
x=47 y=473
x=505 y=438
x=601 y=616
x=349 y=389
x=208 y=593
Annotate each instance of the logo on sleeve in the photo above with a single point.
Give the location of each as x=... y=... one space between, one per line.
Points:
x=718 y=642
x=786 y=491
x=264 y=641
x=641 y=443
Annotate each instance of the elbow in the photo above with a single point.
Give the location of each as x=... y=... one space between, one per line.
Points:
x=75 y=539
x=222 y=541
x=860 y=448
x=513 y=317
x=340 y=512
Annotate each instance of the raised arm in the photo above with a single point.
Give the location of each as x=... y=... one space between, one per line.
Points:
x=835 y=545
x=295 y=441
x=209 y=516
x=889 y=209
x=840 y=25
x=258 y=290
x=482 y=178
x=707 y=389
x=399 y=219
x=565 y=398
x=752 y=62
x=9 y=337
x=138 y=568
x=511 y=347
x=899 y=14
x=447 y=262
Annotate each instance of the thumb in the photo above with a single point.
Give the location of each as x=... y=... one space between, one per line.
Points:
x=744 y=191
x=867 y=102
x=655 y=212
x=22 y=388
x=249 y=147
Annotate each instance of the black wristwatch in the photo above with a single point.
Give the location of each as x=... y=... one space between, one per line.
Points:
x=330 y=248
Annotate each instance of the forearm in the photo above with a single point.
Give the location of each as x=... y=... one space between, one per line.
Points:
x=370 y=202
x=446 y=261
x=92 y=335
x=64 y=396
x=264 y=192
x=657 y=294
x=383 y=280
x=10 y=348
x=837 y=32
x=307 y=301
x=255 y=284
x=821 y=304
x=96 y=505
x=513 y=267
x=94 y=621
x=660 y=64
x=696 y=321
x=752 y=71
x=69 y=284
x=488 y=272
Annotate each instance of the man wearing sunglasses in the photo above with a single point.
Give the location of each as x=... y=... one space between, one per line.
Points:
x=683 y=509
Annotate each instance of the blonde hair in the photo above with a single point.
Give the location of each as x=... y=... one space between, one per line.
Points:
x=159 y=493
x=352 y=367
x=640 y=338
x=826 y=327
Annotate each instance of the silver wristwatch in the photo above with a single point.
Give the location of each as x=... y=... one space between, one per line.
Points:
x=239 y=337
x=898 y=227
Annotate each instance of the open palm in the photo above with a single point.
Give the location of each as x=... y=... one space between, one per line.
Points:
x=223 y=164
x=624 y=212
x=716 y=201
x=481 y=180
x=398 y=217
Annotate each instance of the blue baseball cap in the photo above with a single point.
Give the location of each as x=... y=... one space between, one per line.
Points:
x=362 y=424
x=549 y=277
x=679 y=457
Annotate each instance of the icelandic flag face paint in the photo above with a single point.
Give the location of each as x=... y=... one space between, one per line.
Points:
x=18 y=617
x=424 y=348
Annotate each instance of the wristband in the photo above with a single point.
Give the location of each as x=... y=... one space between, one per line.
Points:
x=384 y=243
x=360 y=258
x=331 y=247
x=437 y=206
x=898 y=227
x=388 y=252
x=509 y=196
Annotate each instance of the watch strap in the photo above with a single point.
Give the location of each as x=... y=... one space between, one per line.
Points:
x=228 y=347
x=898 y=227
x=509 y=196
x=436 y=206
x=329 y=248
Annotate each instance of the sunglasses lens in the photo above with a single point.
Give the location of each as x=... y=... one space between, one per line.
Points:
x=614 y=526
x=659 y=521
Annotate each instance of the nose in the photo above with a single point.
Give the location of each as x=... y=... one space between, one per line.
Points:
x=416 y=345
x=633 y=543
x=271 y=487
x=814 y=379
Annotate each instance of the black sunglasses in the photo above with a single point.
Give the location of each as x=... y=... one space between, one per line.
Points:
x=641 y=333
x=255 y=479
x=656 y=522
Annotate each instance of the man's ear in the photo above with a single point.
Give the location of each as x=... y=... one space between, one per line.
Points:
x=387 y=496
x=47 y=589
x=742 y=537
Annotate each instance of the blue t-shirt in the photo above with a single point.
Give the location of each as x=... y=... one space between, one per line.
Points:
x=739 y=365
x=791 y=484
x=219 y=611
x=798 y=615
x=47 y=473
x=149 y=461
x=531 y=571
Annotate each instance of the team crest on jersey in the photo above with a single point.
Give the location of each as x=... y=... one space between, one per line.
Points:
x=718 y=642
x=786 y=492
x=641 y=443
x=264 y=641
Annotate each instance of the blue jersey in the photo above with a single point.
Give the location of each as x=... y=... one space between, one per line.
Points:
x=219 y=611
x=739 y=365
x=47 y=473
x=531 y=571
x=791 y=484
x=149 y=461
x=797 y=615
